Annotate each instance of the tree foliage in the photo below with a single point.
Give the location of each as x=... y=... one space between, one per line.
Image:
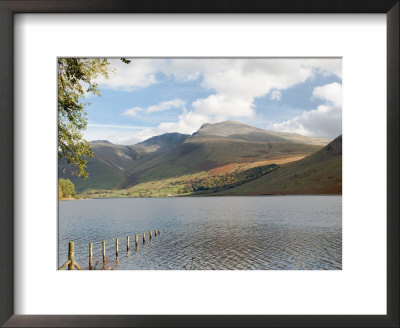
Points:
x=76 y=78
x=65 y=188
x=219 y=182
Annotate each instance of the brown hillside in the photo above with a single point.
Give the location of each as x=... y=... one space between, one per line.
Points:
x=319 y=173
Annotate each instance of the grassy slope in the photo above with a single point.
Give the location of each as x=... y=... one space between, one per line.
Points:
x=319 y=173
x=161 y=188
x=101 y=176
x=120 y=167
x=169 y=173
x=182 y=185
x=208 y=153
x=105 y=168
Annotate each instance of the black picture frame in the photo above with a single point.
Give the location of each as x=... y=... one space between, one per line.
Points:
x=10 y=7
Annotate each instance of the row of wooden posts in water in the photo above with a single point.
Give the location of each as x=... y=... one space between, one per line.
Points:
x=71 y=263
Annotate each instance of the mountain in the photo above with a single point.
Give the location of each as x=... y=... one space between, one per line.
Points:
x=107 y=167
x=110 y=164
x=319 y=173
x=237 y=130
x=163 y=142
x=196 y=155
x=172 y=154
x=220 y=144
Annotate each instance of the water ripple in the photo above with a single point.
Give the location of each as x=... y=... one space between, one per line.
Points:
x=208 y=233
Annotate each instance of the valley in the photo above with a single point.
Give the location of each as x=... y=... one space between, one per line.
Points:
x=227 y=158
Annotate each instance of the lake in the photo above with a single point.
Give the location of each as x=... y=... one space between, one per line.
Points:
x=206 y=233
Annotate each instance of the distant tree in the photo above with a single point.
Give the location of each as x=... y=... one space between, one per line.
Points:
x=76 y=79
x=60 y=192
x=66 y=187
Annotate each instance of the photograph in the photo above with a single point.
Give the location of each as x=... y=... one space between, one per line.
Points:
x=181 y=158
x=196 y=163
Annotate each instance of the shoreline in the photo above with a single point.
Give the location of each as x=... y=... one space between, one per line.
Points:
x=201 y=196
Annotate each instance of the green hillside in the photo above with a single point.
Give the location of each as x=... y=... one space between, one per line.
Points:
x=101 y=177
x=199 y=183
x=319 y=173
x=173 y=155
x=202 y=154
x=109 y=168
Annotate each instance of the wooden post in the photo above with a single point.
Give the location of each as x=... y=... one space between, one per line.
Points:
x=116 y=247
x=104 y=250
x=127 y=244
x=144 y=237
x=90 y=256
x=155 y=233
x=159 y=232
x=64 y=265
x=71 y=255
x=136 y=240
x=151 y=234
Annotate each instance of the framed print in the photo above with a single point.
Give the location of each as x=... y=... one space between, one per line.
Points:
x=236 y=152
x=180 y=151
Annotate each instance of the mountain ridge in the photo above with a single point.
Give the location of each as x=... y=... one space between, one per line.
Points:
x=318 y=173
x=229 y=128
x=174 y=154
x=237 y=130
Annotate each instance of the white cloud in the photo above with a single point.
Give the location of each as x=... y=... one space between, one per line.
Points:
x=234 y=83
x=118 y=134
x=327 y=66
x=165 y=105
x=324 y=121
x=242 y=77
x=116 y=126
x=188 y=122
x=275 y=95
x=231 y=76
x=132 y=111
x=220 y=107
x=332 y=93
x=139 y=73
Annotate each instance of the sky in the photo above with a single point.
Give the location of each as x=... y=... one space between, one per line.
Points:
x=150 y=97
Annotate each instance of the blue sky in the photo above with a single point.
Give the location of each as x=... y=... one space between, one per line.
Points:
x=153 y=96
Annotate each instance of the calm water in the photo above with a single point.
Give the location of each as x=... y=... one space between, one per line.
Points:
x=257 y=233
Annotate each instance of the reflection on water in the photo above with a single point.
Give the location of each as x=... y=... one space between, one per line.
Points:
x=278 y=232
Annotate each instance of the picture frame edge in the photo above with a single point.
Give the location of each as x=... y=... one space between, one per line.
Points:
x=7 y=317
